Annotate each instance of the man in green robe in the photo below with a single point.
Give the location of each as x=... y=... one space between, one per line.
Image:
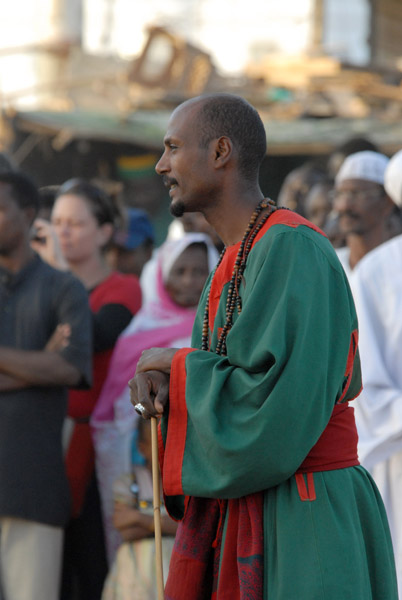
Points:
x=257 y=439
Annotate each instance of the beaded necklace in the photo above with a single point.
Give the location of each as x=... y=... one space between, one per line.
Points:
x=233 y=298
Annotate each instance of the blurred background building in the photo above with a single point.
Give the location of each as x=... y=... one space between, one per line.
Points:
x=87 y=86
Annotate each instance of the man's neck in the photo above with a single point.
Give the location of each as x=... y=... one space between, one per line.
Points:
x=230 y=218
x=359 y=245
x=17 y=260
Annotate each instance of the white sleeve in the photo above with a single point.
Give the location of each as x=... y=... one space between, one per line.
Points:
x=378 y=409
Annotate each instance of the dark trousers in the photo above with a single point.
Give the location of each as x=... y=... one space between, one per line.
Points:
x=84 y=558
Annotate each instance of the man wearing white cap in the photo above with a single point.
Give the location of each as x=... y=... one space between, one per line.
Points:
x=377 y=290
x=363 y=206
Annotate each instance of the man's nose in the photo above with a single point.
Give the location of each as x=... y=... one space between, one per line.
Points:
x=161 y=165
x=62 y=229
x=343 y=201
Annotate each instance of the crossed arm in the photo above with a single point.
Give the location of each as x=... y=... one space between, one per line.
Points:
x=47 y=367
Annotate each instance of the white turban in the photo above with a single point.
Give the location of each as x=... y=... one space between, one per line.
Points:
x=393 y=178
x=367 y=165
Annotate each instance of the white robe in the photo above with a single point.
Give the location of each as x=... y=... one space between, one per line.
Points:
x=344 y=256
x=377 y=289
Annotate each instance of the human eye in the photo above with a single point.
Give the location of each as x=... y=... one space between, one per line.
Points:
x=170 y=144
x=177 y=272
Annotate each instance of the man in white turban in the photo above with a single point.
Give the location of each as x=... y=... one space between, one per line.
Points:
x=364 y=208
x=377 y=290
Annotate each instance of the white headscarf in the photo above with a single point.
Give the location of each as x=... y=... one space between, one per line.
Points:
x=167 y=255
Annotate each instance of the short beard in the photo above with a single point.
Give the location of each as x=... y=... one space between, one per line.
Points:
x=178 y=209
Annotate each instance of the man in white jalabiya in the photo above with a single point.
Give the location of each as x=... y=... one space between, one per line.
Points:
x=377 y=290
x=365 y=211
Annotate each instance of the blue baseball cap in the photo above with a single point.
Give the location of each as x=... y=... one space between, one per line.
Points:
x=138 y=230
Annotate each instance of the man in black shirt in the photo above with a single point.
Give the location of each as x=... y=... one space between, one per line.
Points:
x=45 y=347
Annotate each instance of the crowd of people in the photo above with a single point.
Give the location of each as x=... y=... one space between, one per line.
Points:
x=84 y=293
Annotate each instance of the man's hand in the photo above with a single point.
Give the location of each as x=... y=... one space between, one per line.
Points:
x=151 y=389
x=132 y=523
x=60 y=338
x=125 y=516
x=46 y=244
x=156 y=359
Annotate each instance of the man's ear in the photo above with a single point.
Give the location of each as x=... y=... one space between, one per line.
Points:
x=30 y=213
x=223 y=151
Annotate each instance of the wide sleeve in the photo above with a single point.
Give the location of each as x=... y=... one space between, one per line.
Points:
x=245 y=422
x=379 y=409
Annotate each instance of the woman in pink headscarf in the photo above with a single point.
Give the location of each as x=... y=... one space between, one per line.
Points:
x=173 y=288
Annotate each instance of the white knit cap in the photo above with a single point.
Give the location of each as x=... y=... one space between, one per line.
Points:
x=367 y=165
x=393 y=178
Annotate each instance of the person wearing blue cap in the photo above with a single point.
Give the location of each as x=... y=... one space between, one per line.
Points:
x=132 y=244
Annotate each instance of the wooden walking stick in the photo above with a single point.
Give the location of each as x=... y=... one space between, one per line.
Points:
x=157 y=509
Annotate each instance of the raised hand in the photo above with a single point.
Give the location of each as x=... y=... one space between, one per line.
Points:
x=45 y=242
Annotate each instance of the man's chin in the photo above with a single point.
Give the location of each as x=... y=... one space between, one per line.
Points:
x=351 y=230
x=177 y=209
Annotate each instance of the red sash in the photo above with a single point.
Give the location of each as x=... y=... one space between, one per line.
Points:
x=201 y=569
x=337 y=446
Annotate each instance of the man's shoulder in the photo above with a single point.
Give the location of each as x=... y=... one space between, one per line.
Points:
x=385 y=258
x=293 y=225
x=55 y=284
x=46 y=271
x=294 y=237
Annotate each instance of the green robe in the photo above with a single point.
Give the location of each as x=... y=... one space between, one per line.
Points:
x=245 y=422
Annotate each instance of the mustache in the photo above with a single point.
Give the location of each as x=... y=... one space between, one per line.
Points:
x=348 y=213
x=168 y=181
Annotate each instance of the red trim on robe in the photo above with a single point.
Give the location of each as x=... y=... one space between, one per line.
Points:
x=177 y=425
x=350 y=363
x=224 y=272
x=286 y=217
x=306 y=491
x=222 y=276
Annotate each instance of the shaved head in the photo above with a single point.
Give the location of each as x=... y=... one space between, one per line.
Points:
x=233 y=117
